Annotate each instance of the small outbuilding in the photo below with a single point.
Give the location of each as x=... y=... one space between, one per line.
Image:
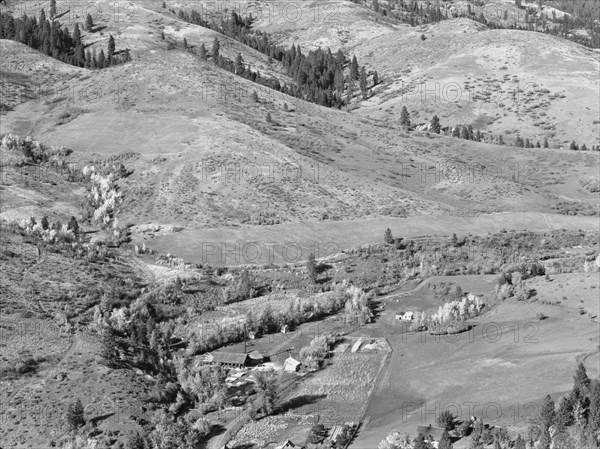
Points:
x=287 y=445
x=291 y=365
x=256 y=358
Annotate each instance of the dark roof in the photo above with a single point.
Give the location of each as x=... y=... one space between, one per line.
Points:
x=232 y=358
x=433 y=432
x=256 y=355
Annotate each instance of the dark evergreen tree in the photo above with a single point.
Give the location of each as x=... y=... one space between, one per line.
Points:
x=435 y=124
x=45 y=224
x=311 y=268
x=354 y=71
x=89 y=23
x=375 y=78
x=363 y=82
x=101 y=61
x=111 y=48
x=405 y=118
x=52 y=8
x=564 y=416
x=75 y=415
x=547 y=413
x=239 y=64
x=387 y=236
x=545 y=142
x=202 y=52
x=215 y=49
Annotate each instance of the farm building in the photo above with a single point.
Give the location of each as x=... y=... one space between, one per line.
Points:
x=287 y=445
x=252 y=335
x=231 y=359
x=431 y=433
x=405 y=316
x=291 y=365
x=285 y=329
x=256 y=358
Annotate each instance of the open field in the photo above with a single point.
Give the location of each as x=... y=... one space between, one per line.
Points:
x=236 y=246
x=490 y=366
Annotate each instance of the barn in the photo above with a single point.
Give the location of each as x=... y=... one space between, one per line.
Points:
x=228 y=359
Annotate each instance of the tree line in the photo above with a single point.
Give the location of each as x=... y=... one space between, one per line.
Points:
x=49 y=37
x=319 y=76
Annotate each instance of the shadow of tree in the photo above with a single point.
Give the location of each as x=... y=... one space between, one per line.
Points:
x=300 y=401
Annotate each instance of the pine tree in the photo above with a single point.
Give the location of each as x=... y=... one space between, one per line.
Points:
x=269 y=118
x=375 y=78
x=203 y=54
x=564 y=416
x=215 y=49
x=387 y=236
x=311 y=267
x=75 y=415
x=239 y=64
x=73 y=225
x=435 y=124
x=185 y=43
x=574 y=146
x=52 y=8
x=405 y=118
x=545 y=143
x=581 y=382
x=101 y=61
x=354 y=68
x=45 y=224
x=89 y=23
x=111 y=48
x=363 y=82
x=547 y=413
x=162 y=35
x=76 y=35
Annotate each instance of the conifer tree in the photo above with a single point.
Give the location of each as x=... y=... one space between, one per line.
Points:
x=387 y=236
x=75 y=415
x=111 y=48
x=52 y=8
x=311 y=267
x=354 y=68
x=435 y=124
x=215 y=49
x=405 y=118
x=363 y=82
x=89 y=23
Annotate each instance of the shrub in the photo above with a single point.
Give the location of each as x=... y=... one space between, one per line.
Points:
x=75 y=415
